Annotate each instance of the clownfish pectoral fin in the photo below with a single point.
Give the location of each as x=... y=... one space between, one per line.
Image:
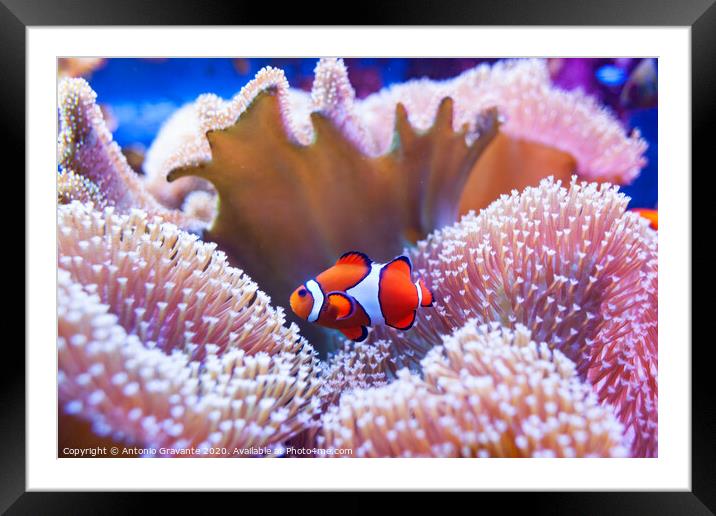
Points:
x=402 y=324
x=354 y=258
x=401 y=264
x=357 y=333
x=342 y=305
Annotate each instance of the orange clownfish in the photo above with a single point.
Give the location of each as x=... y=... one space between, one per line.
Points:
x=651 y=215
x=356 y=293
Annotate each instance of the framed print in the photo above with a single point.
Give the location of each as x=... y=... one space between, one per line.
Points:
x=428 y=250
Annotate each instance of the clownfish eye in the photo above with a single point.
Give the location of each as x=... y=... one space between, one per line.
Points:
x=302 y=292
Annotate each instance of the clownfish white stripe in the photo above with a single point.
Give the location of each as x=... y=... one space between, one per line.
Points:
x=366 y=293
x=315 y=289
x=420 y=292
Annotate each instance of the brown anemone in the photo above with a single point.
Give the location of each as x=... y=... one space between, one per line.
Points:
x=298 y=185
x=545 y=130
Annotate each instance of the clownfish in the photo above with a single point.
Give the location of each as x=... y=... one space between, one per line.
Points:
x=651 y=215
x=356 y=293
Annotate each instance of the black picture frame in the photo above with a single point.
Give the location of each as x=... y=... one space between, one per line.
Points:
x=700 y=15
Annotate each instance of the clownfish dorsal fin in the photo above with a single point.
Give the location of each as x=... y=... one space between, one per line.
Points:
x=400 y=264
x=354 y=258
x=343 y=305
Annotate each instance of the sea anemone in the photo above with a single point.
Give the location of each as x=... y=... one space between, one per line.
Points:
x=546 y=130
x=297 y=190
x=85 y=148
x=78 y=66
x=325 y=173
x=487 y=392
x=356 y=365
x=74 y=187
x=542 y=340
x=181 y=133
x=571 y=265
x=162 y=343
x=622 y=364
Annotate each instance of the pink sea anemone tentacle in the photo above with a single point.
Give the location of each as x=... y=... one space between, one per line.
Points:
x=75 y=187
x=533 y=110
x=545 y=130
x=487 y=392
x=180 y=131
x=85 y=147
x=569 y=264
x=161 y=343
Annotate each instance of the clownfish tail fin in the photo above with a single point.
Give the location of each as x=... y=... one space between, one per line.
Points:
x=426 y=295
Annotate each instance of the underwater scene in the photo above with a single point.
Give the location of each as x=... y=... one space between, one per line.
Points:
x=366 y=257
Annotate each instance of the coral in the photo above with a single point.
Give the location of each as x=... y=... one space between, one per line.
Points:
x=181 y=131
x=546 y=131
x=78 y=66
x=181 y=140
x=71 y=186
x=162 y=343
x=135 y=156
x=356 y=365
x=572 y=266
x=487 y=392
x=622 y=359
x=569 y=121
x=85 y=147
x=641 y=89
x=297 y=191
x=200 y=205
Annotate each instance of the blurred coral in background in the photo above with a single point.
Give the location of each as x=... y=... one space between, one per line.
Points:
x=184 y=221
x=159 y=87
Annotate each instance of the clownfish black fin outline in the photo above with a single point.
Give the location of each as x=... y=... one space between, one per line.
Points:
x=400 y=264
x=354 y=258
